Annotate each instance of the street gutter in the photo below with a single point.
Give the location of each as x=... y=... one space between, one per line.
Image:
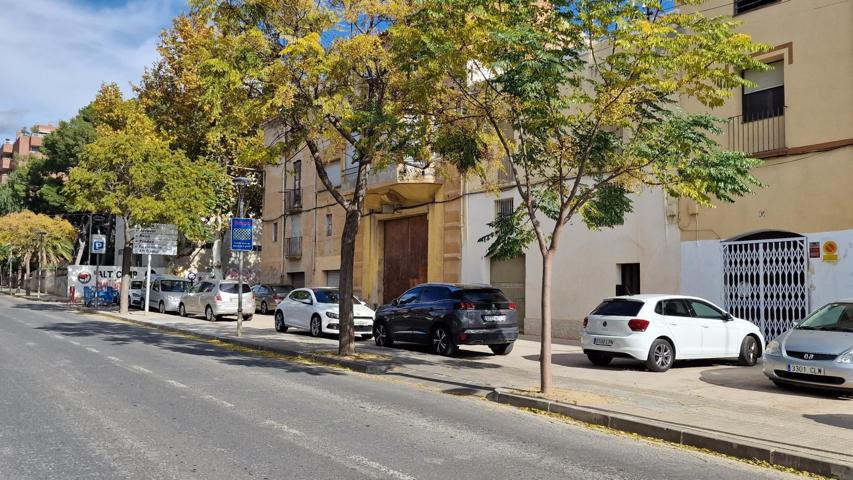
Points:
x=748 y=449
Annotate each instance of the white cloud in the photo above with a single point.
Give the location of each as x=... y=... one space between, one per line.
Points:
x=54 y=54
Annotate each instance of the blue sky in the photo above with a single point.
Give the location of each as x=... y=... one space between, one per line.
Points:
x=56 y=53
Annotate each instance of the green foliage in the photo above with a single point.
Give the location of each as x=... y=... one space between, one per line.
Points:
x=607 y=208
x=130 y=171
x=28 y=234
x=509 y=235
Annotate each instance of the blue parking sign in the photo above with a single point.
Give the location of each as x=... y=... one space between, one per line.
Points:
x=241 y=234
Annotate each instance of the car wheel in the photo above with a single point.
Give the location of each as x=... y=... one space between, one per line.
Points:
x=599 y=359
x=208 y=314
x=442 y=342
x=279 y=322
x=502 y=349
x=366 y=337
x=748 y=352
x=382 y=336
x=316 y=327
x=661 y=356
x=263 y=308
x=161 y=307
x=248 y=318
x=182 y=311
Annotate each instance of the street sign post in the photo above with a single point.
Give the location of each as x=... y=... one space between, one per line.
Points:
x=241 y=241
x=157 y=239
x=99 y=244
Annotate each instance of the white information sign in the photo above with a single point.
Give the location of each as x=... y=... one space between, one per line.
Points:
x=157 y=239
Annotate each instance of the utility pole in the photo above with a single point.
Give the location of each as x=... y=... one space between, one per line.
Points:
x=10 y=270
x=240 y=183
x=147 y=283
x=41 y=234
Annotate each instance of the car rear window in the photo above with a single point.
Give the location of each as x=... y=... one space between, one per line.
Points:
x=618 y=308
x=174 y=285
x=232 y=287
x=136 y=285
x=281 y=288
x=485 y=295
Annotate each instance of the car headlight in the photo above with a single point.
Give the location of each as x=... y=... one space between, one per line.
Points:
x=846 y=357
x=774 y=348
x=331 y=314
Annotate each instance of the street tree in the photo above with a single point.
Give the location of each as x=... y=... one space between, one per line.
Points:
x=131 y=172
x=580 y=96
x=29 y=236
x=326 y=76
x=221 y=124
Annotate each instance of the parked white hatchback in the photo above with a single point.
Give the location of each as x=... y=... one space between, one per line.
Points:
x=316 y=310
x=660 y=329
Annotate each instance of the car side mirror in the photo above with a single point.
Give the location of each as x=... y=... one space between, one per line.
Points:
x=395 y=302
x=728 y=317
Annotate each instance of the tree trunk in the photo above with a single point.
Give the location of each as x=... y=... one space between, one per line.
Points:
x=127 y=252
x=545 y=351
x=216 y=253
x=81 y=246
x=28 y=275
x=346 y=342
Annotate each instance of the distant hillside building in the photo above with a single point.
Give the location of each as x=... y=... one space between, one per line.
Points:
x=25 y=144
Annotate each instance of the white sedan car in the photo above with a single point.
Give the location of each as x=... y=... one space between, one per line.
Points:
x=316 y=310
x=660 y=329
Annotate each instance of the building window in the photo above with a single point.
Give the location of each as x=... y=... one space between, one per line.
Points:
x=333 y=171
x=274 y=231
x=629 y=274
x=297 y=175
x=503 y=208
x=767 y=98
x=329 y=226
x=743 y=6
x=333 y=278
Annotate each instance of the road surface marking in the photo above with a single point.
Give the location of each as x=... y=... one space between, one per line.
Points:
x=92 y=350
x=75 y=343
x=115 y=359
x=283 y=428
x=217 y=400
x=176 y=384
x=141 y=369
x=382 y=468
x=30 y=344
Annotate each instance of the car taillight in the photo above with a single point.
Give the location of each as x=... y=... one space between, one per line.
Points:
x=218 y=297
x=277 y=298
x=511 y=306
x=466 y=306
x=638 y=325
x=585 y=322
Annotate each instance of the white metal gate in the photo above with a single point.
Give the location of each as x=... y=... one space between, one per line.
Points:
x=765 y=282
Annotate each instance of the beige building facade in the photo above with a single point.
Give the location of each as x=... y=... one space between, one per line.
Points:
x=774 y=256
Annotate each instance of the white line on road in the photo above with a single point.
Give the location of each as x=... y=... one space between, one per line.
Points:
x=75 y=343
x=217 y=400
x=141 y=369
x=382 y=468
x=283 y=428
x=115 y=359
x=176 y=384
x=92 y=350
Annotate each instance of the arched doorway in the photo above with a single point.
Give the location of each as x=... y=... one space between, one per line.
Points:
x=765 y=279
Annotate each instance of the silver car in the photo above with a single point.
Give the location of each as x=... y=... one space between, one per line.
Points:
x=166 y=293
x=268 y=296
x=215 y=298
x=818 y=352
x=136 y=293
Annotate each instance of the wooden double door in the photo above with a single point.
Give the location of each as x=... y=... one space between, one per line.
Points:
x=405 y=256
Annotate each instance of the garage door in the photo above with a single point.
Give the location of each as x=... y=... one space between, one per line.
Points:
x=508 y=275
x=405 y=255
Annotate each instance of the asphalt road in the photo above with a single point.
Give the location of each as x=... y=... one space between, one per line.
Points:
x=88 y=398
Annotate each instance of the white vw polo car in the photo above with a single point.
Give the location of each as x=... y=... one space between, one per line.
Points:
x=660 y=329
x=316 y=310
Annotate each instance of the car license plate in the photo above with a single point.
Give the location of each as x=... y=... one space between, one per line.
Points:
x=807 y=369
x=494 y=318
x=606 y=342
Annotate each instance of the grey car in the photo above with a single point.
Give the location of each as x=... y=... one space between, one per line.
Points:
x=136 y=293
x=267 y=296
x=817 y=353
x=216 y=298
x=166 y=293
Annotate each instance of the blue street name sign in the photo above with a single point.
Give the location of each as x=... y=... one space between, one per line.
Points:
x=241 y=234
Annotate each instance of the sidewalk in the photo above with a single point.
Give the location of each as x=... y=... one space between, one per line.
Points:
x=718 y=398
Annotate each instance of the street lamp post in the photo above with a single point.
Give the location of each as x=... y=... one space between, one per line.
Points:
x=241 y=183
x=10 y=270
x=41 y=234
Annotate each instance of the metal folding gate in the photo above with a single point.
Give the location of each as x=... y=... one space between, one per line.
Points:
x=766 y=282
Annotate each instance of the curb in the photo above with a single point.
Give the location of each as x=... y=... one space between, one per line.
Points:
x=354 y=365
x=721 y=443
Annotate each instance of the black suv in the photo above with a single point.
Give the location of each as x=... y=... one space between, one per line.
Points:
x=448 y=315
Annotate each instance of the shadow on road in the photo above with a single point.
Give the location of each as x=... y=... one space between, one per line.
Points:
x=121 y=334
x=834 y=419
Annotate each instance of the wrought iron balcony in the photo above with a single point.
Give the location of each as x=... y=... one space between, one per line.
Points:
x=293 y=199
x=762 y=137
x=392 y=174
x=293 y=247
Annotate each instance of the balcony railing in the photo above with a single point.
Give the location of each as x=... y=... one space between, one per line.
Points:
x=293 y=247
x=394 y=173
x=292 y=199
x=761 y=137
